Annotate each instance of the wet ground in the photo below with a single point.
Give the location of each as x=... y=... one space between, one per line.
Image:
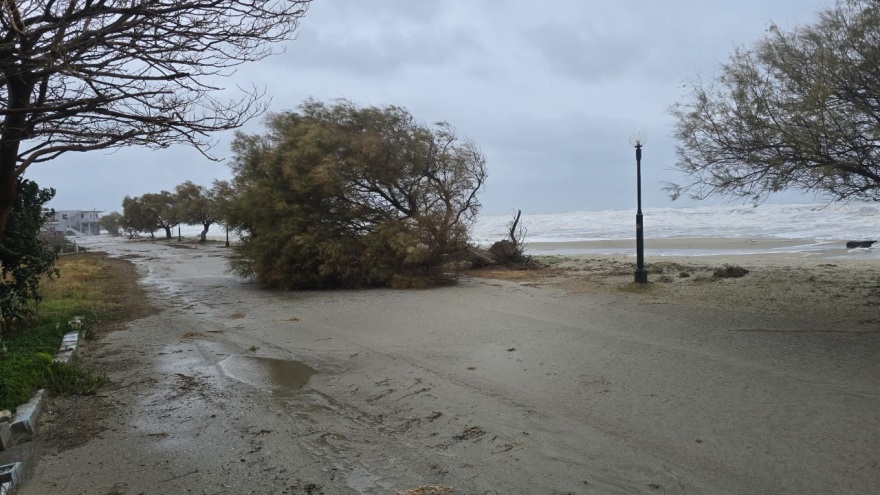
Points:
x=489 y=387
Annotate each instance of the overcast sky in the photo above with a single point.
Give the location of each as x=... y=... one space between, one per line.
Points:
x=550 y=91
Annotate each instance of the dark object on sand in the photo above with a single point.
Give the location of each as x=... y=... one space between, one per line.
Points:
x=859 y=244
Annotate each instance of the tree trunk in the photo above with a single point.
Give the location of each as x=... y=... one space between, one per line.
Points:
x=167 y=232
x=13 y=131
x=205 y=232
x=8 y=186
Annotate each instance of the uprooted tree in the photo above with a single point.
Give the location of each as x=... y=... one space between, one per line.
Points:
x=82 y=75
x=798 y=110
x=340 y=196
x=511 y=251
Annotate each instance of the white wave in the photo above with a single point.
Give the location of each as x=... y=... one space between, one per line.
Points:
x=823 y=222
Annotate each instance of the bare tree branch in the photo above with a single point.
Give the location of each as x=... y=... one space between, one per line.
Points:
x=798 y=110
x=81 y=75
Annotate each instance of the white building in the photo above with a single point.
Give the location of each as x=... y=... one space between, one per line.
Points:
x=82 y=221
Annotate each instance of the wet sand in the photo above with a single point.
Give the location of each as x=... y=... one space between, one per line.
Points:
x=707 y=246
x=798 y=278
x=567 y=380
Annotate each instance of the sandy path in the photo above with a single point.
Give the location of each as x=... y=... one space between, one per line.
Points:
x=488 y=387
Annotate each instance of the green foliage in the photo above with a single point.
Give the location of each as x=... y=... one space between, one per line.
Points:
x=798 y=110
x=27 y=365
x=730 y=271
x=72 y=379
x=162 y=207
x=196 y=206
x=136 y=217
x=24 y=361
x=341 y=196
x=24 y=257
x=150 y=212
x=111 y=222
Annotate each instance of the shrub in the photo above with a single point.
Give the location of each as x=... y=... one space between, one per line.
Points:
x=729 y=271
x=24 y=257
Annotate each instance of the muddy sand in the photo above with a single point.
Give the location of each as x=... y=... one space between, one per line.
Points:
x=567 y=379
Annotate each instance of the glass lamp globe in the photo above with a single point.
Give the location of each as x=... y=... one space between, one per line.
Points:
x=638 y=137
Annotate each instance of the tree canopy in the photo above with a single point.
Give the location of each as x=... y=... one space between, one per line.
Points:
x=340 y=196
x=81 y=75
x=798 y=110
x=196 y=206
x=111 y=222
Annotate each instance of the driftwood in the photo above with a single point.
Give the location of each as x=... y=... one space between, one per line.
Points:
x=859 y=244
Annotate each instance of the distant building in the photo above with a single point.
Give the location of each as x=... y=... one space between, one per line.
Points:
x=82 y=221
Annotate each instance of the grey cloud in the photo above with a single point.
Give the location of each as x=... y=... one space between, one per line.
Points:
x=411 y=11
x=378 y=55
x=583 y=53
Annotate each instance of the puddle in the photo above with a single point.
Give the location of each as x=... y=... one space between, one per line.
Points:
x=277 y=375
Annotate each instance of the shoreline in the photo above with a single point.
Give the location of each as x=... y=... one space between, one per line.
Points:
x=686 y=247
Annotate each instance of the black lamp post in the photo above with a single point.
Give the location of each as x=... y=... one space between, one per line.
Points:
x=641 y=275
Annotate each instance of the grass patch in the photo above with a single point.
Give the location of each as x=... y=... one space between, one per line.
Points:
x=26 y=355
x=72 y=379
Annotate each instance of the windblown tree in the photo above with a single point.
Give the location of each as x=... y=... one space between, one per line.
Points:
x=223 y=195
x=196 y=206
x=798 y=110
x=161 y=210
x=341 y=196
x=82 y=75
x=111 y=222
x=136 y=217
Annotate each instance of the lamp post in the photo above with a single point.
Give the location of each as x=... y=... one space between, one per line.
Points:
x=638 y=139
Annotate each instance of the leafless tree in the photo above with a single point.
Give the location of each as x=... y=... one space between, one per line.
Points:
x=82 y=75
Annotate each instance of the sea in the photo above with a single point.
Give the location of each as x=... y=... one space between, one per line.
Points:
x=817 y=226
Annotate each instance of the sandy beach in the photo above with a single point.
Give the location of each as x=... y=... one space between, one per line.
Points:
x=801 y=278
x=708 y=246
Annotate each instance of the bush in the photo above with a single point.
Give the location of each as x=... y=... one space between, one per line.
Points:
x=730 y=271
x=24 y=257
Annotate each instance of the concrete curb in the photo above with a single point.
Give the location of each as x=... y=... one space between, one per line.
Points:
x=24 y=422
x=67 y=351
x=9 y=477
x=25 y=419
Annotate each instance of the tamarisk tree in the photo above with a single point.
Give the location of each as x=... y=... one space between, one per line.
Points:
x=82 y=75
x=336 y=195
x=798 y=110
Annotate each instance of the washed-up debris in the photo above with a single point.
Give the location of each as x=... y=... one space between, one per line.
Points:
x=470 y=433
x=429 y=490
